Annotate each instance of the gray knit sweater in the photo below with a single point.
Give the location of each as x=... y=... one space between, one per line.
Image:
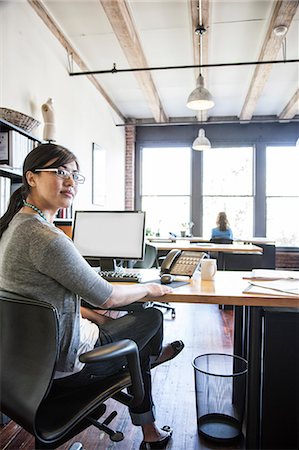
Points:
x=39 y=261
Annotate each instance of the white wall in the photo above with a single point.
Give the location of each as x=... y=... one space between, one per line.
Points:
x=34 y=67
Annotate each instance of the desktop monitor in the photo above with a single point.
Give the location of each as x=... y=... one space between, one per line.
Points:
x=102 y=237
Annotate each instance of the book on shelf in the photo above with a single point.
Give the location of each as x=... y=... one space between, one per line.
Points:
x=65 y=213
x=18 y=148
x=273 y=282
x=5 y=189
x=3 y=147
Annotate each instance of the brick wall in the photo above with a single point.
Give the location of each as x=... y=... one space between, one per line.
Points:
x=287 y=260
x=130 y=166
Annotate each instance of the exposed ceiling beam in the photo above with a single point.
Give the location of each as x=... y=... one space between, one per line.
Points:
x=205 y=20
x=43 y=13
x=291 y=109
x=215 y=120
x=123 y=26
x=283 y=14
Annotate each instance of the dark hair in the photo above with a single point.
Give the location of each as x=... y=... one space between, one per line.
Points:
x=37 y=158
x=222 y=221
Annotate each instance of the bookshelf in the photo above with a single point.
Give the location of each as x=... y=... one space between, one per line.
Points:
x=15 y=144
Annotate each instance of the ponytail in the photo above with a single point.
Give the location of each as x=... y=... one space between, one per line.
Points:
x=15 y=204
x=222 y=221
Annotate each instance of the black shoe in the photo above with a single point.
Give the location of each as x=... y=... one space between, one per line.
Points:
x=158 y=444
x=177 y=348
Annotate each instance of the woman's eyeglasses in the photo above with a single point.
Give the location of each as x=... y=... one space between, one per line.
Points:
x=65 y=174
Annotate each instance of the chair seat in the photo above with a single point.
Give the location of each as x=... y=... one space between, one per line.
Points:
x=55 y=419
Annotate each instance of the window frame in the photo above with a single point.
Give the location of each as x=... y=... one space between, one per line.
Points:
x=258 y=135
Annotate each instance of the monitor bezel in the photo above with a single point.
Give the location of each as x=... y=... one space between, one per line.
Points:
x=126 y=258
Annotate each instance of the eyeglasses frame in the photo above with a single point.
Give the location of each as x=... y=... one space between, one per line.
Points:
x=55 y=170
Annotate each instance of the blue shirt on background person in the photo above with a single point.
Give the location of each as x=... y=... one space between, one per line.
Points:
x=217 y=233
x=223 y=229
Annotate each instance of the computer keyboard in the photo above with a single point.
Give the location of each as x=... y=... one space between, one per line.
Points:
x=110 y=275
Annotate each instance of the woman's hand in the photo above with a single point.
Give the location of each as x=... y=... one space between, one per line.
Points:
x=157 y=290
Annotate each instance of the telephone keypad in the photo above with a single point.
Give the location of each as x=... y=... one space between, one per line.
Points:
x=187 y=263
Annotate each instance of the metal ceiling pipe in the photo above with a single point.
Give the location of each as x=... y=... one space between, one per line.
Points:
x=140 y=69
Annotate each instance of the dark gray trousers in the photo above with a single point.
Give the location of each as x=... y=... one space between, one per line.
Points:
x=145 y=327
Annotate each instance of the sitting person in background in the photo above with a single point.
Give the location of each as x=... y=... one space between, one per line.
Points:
x=38 y=260
x=223 y=229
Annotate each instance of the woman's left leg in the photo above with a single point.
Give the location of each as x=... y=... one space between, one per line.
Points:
x=146 y=329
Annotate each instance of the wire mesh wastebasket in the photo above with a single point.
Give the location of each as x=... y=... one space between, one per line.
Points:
x=220 y=386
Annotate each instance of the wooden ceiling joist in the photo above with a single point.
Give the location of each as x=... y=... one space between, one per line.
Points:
x=292 y=108
x=121 y=20
x=283 y=14
x=42 y=12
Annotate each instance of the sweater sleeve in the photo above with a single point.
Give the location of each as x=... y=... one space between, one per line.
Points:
x=59 y=259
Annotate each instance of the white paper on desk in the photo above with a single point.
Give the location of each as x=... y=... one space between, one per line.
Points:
x=269 y=274
x=274 y=287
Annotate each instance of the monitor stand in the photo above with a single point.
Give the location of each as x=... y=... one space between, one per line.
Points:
x=108 y=264
x=103 y=263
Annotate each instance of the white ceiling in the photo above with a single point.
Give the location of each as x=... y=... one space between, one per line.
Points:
x=236 y=32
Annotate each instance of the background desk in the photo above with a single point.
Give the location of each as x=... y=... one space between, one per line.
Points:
x=232 y=260
x=220 y=251
x=200 y=239
x=208 y=247
x=228 y=289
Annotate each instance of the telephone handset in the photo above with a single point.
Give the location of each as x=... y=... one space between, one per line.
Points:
x=179 y=262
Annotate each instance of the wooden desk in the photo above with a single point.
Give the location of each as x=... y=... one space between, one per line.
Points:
x=220 y=249
x=256 y=240
x=227 y=289
x=201 y=239
x=208 y=247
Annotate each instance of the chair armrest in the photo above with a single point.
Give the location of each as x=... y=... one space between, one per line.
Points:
x=129 y=350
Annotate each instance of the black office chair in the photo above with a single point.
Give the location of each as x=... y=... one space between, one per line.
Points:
x=29 y=349
x=151 y=260
x=221 y=240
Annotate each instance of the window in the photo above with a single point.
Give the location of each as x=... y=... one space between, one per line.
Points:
x=166 y=188
x=282 y=195
x=228 y=186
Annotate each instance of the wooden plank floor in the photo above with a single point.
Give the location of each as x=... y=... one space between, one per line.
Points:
x=204 y=329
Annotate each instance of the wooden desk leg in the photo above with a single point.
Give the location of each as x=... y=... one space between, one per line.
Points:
x=239 y=326
x=254 y=378
x=221 y=261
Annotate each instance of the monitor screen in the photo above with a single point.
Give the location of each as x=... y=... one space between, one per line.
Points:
x=109 y=234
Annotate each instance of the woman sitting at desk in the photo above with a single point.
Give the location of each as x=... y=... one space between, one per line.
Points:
x=38 y=260
x=223 y=229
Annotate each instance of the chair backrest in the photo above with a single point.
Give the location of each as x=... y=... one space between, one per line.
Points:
x=221 y=240
x=27 y=365
x=150 y=258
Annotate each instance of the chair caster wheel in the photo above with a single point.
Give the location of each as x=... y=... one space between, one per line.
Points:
x=117 y=436
x=76 y=446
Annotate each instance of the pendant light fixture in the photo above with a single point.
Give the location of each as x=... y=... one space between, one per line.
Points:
x=200 y=98
x=201 y=142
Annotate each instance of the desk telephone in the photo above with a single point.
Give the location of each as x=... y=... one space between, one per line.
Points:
x=179 y=262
